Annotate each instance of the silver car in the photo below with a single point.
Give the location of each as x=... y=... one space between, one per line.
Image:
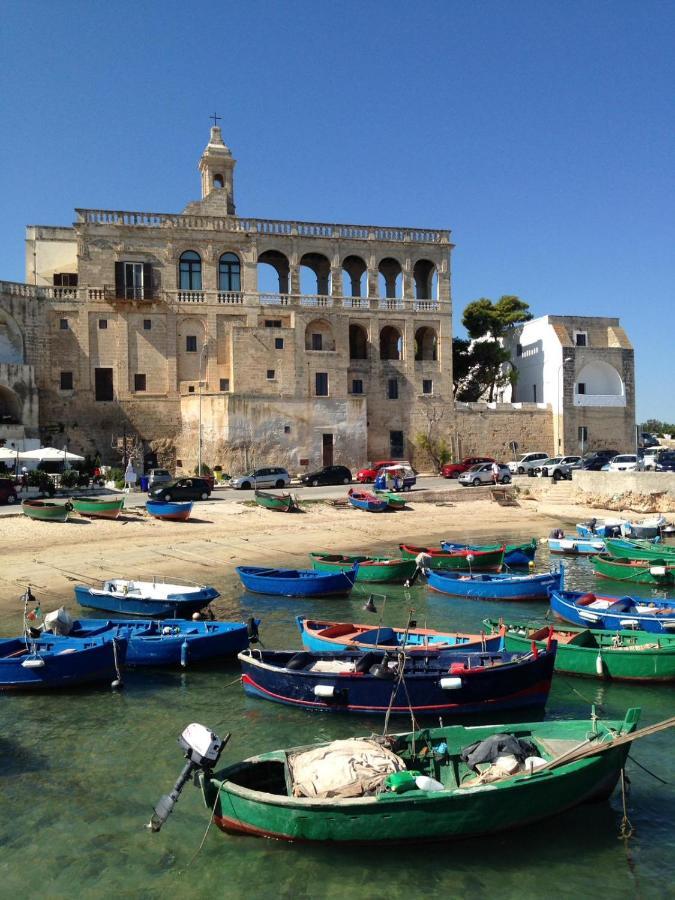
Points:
x=159 y=476
x=271 y=476
x=482 y=474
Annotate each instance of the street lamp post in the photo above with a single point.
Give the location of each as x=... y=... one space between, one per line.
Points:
x=560 y=397
x=202 y=360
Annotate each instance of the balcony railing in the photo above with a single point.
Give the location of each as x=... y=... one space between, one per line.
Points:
x=262 y=226
x=599 y=400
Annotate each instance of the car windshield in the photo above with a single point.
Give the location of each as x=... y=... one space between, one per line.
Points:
x=476 y=468
x=553 y=459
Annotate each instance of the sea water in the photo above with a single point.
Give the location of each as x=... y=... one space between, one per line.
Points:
x=82 y=769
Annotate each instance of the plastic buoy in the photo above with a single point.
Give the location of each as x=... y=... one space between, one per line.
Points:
x=184 y=650
x=599 y=665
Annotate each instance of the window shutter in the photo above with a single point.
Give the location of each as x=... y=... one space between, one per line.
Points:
x=147 y=281
x=119 y=280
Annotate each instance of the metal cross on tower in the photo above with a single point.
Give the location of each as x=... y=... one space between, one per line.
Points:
x=216 y=118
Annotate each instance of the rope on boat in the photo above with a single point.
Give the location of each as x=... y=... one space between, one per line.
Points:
x=204 y=836
x=648 y=771
x=626 y=829
x=117 y=682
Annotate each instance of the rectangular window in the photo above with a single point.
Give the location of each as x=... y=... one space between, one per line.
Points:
x=65 y=279
x=287 y=429
x=191 y=343
x=396 y=444
x=534 y=393
x=357 y=386
x=63 y=324
x=580 y=338
x=278 y=343
x=392 y=389
x=224 y=384
x=321 y=384
x=139 y=381
x=427 y=386
x=316 y=342
x=272 y=323
x=66 y=381
x=519 y=349
x=147 y=324
x=133 y=280
x=270 y=374
x=103 y=384
x=582 y=433
x=581 y=388
x=102 y=324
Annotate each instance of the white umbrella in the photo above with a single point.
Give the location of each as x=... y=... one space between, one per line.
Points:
x=6 y=453
x=51 y=454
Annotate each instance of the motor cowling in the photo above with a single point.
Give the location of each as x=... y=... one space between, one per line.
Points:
x=201 y=745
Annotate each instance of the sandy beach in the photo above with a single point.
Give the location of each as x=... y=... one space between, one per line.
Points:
x=52 y=557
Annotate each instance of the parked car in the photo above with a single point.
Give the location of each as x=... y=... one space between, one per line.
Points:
x=650 y=457
x=526 y=462
x=159 y=476
x=368 y=473
x=648 y=440
x=327 y=475
x=455 y=469
x=626 y=462
x=405 y=473
x=557 y=467
x=482 y=474
x=595 y=460
x=270 y=476
x=7 y=491
x=665 y=461
x=182 y=489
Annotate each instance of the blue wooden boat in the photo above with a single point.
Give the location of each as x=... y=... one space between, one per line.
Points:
x=485 y=586
x=614 y=613
x=155 y=643
x=372 y=683
x=367 y=501
x=296 y=582
x=515 y=555
x=173 y=511
x=338 y=637
x=576 y=546
x=150 y=599
x=28 y=664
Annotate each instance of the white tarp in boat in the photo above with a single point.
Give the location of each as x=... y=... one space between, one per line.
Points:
x=351 y=768
x=59 y=621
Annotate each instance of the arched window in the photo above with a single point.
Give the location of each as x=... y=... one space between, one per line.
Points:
x=319 y=336
x=358 y=342
x=390 y=278
x=273 y=272
x=391 y=343
x=218 y=182
x=229 y=273
x=318 y=282
x=190 y=271
x=425 y=344
x=354 y=285
x=424 y=276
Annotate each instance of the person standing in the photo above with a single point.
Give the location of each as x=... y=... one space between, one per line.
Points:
x=129 y=478
x=495 y=472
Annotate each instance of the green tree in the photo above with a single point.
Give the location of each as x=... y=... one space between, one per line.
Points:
x=482 y=365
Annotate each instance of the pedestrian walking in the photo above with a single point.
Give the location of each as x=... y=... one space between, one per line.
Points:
x=495 y=472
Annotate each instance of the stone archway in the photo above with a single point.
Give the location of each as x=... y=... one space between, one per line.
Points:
x=10 y=407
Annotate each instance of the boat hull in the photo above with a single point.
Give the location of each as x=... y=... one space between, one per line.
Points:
x=275 y=502
x=367 y=501
x=500 y=684
x=515 y=555
x=594 y=655
x=174 y=511
x=372 y=570
x=176 y=605
x=618 y=548
x=495 y=587
x=46 y=511
x=187 y=643
x=576 y=546
x=634 y=571
x=66 y=663
x=93 y=508
x=456 y=560
x=418 y=816
x=296 y=582
x=617 y=614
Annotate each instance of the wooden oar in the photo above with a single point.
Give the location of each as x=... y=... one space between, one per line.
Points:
x=589 y=748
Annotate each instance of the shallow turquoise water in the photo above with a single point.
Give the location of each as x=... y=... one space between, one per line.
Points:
x=82 y=770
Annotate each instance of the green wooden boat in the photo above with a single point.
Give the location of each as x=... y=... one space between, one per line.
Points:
x=625 y=549
x=394 y=501
x=98 y=507
x=46 y=510
x=266 y=795
x=634 y=571
x=610 y=656
x=372 y=569
x=277 y=502
x=456 y=560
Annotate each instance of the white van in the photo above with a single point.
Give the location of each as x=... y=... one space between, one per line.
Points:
x=526 y=462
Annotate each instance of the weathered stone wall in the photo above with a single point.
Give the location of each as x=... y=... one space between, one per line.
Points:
x=638 y=491
x=484 y=430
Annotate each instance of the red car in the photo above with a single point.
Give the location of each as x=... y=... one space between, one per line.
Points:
x=7 y=491
x=366 y=475
x=455 y=469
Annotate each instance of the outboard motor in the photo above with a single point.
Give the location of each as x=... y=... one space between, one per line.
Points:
x=252 y=630
x=202 y=750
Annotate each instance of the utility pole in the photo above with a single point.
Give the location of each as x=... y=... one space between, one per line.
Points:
x=202 y=361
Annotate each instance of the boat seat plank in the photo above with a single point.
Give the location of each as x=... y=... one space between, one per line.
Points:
x=556 y=747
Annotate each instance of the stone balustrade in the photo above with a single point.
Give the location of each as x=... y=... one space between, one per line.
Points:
x=262 y=226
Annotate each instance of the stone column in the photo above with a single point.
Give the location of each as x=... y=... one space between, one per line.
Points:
x=336 y=281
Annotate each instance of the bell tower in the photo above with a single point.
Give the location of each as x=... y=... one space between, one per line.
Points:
x=217 y=170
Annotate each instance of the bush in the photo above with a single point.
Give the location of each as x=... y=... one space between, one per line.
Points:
x=205 y=470
x=39 y=479
x=116 y=475
x=70 y=478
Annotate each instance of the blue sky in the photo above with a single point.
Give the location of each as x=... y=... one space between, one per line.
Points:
x=541 y=133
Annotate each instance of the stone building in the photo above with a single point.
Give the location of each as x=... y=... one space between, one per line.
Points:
x=307 y=341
